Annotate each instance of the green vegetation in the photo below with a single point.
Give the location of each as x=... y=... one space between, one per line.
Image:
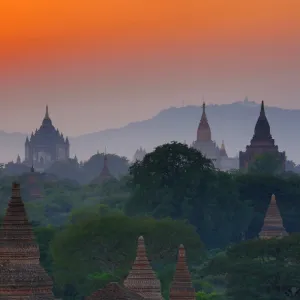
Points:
x=87 y=233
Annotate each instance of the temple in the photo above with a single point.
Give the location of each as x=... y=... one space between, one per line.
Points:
x=273 y=225
x=139 y=154
x=22 y=276
x=209 y=148
x=142 y=279
x=105 y=174
x=261 y=143
x=46 y=146
x=141 y=283
x=182 y=287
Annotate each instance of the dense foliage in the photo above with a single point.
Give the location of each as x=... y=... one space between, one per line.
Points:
x=87 y=233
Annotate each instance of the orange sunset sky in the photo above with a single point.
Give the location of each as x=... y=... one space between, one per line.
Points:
x=102 y=64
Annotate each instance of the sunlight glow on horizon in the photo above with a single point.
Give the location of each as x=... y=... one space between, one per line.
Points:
x=34 y=29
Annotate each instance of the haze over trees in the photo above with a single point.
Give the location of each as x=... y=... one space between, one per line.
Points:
x=87 y=233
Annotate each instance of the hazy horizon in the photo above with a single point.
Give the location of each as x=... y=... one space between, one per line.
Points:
x=103 y=65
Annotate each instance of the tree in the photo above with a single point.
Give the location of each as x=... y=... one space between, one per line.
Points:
x=267 y=163
x=118 y=166
x=179 y=182
x=162 y=179
x=260 y=269
x=106 y=246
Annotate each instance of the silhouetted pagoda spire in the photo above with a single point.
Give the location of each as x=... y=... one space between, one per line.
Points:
x=21 y=274
x=182 y=287
x=273 y=225
x=142 y=279
x=223 y=152
x=47 y=113
x=203 y=132
x=262 y=131
x=105 y=174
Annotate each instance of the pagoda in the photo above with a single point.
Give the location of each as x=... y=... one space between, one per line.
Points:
x=46 y=146
x=182 y=287
x=204 y=142
x=273 y=225
x=223 y=152
x=21 y=275
x=141 y=278
x=113 y=291
x=105 y=174
x=261 y=143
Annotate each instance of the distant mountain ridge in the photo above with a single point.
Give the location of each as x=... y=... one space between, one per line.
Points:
x=234 y=123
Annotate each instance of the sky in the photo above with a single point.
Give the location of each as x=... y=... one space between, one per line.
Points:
x=102 y=64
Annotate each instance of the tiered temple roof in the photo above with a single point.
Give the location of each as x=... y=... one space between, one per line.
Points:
x=203 y=132
x=113 y=291
x=182 y=287
x=21 y=275
x=273 y=225
x=141 y=278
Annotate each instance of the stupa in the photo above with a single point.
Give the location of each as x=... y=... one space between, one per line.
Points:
x=105 y=174
x=21 y=275
x=273 y=225
x=113 y=291
x=141 y=279
x=182 y=287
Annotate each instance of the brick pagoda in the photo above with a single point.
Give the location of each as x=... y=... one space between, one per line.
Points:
x=141 y=278
x=21 y=275
x=182 y=287
x=273 y=225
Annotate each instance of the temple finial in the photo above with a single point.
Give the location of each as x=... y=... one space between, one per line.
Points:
x=262 y=109
x=47 y=113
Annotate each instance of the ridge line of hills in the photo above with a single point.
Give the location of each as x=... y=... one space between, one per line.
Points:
x=234 y=123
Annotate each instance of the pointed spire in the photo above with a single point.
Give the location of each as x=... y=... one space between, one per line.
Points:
x=182 y=287
x=18 y=159
x=142 y=279
x=223 y=150
x=19 y=255
x=203 y=132
x=47 y=113
x=273 y=225
x=262 y=109
x=262 y=131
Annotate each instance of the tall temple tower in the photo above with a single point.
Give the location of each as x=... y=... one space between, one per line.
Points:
x=273 y=225
x=46 y=146
x=182 y=287
x=141 y=279
x=261 y=142
x=22 y=276
x=204 y=142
